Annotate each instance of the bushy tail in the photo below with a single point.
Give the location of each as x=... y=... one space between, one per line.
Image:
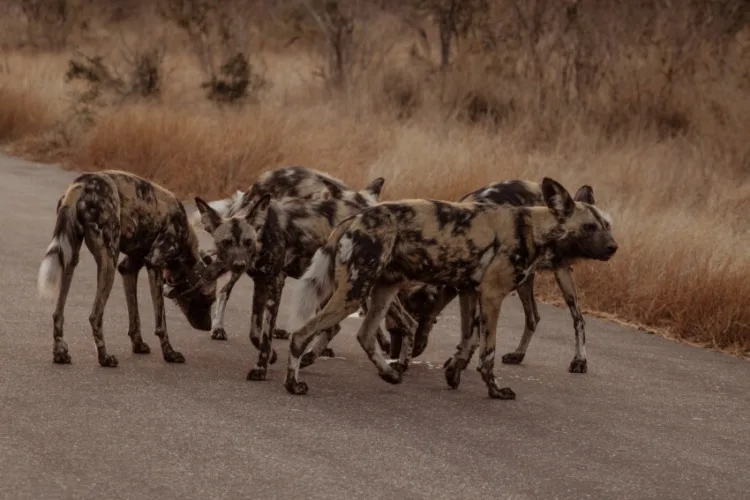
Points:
x=66 y=240
x=222 y=207
x=316 y=285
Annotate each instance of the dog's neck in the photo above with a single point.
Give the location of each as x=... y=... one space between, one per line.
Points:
x=552 y=249
x=543 y=225
x=185 y=264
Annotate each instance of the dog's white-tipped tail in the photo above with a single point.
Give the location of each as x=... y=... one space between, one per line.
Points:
x=58 y=257
x=315 y=286
x=66 y=240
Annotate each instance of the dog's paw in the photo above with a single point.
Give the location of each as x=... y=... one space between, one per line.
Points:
x=219 y=334
x=578 y=366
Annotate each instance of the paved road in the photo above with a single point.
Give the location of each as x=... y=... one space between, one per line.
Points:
x=651 y=419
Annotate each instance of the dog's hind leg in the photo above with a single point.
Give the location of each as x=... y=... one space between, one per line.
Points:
x=267 y=301
x=324 y=337
x=380 y=299
x=526 y=294
x=156 y=283
x=336 y=309
x=129 y=270
x=427 y=319
x=384 y=340
x=398 y=319
x=217 y=327
x=320 y=348
x=564 y=278
x=106 y=269
x=60 y=353
x=455 y=365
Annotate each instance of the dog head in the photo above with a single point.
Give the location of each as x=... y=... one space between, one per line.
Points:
x=194 y=295
x=237 y=238
x=584 y=230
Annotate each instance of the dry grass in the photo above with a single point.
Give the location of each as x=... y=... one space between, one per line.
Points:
x=661 y=136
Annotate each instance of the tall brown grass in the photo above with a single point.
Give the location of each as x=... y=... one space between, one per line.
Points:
x=649 y=106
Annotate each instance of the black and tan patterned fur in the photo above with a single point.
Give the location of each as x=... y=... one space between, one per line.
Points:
x=483 y=250
x=116 y=212
x=270 y=240
x=290 y=182
x=427 y=302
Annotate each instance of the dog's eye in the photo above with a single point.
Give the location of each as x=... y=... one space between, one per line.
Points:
x=589 y=228
x=248 y=242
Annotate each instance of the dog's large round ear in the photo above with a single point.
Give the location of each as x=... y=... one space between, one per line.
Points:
x=557 y=198
x=260 y=207
x=209 y=217
x=585 y=194
x=247 y=199
x=376 y=186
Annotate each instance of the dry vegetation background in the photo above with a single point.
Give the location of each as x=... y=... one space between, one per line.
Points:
x=647 y=101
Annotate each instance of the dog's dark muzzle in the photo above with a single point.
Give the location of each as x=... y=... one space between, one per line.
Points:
x=193 y=302
x=609 y=251
x=197 y=309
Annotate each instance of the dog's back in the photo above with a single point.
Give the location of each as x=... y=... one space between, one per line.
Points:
x=146 y=210
x=307 y=205
x=300 y=182
x=517 y=193
x=296 y=182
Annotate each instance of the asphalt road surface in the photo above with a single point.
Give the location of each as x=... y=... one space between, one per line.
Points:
x=651 y=419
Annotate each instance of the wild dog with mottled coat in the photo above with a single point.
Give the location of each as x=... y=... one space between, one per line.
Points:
x=483 y=250
x=270 y=240
x=427 y=302
x=288 y=182
x=117 y=212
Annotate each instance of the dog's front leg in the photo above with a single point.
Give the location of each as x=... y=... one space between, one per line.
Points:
x=156 y=284
x=564 y=278
x=106 y=266
x=526 y=295
x=217 y=325
x=129 y=269
x=266 y=299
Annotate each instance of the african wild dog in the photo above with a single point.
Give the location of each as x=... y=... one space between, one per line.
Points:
x=428 y=301
x=289 y=182
x=113 y=212
x=484 y=250
x=270 y=240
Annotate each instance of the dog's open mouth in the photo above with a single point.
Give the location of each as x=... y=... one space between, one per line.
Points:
x=170 y=288
x=168 y=277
